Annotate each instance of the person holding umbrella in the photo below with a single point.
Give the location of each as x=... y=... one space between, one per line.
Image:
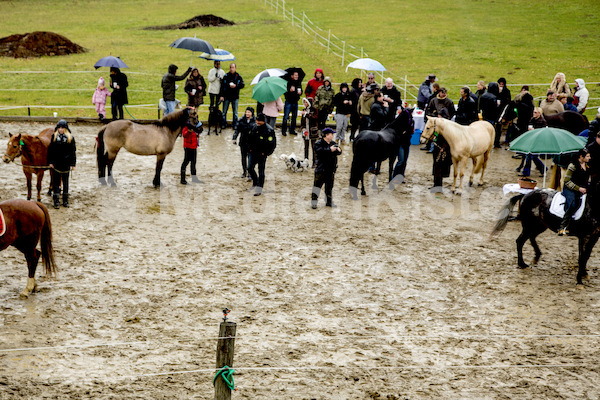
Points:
x=215 y=76
x=118 y=81
x=168 y=86
x=292 y=96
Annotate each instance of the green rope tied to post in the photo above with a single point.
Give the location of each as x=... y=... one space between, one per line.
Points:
x=227 y=374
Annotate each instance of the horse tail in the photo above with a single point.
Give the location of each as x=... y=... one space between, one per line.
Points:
x=478 y=165
x=46 y=242
x=504 y=214
x=101 y=152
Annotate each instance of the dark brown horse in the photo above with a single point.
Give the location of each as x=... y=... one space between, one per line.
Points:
x=28 y=223
x=536 y=218
x=33 y=151
x=157 y=138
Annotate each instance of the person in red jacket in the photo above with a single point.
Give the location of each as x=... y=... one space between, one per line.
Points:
x=190 y=146
x=314 y=84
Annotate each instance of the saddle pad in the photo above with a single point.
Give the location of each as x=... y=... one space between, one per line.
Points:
x=2 y=224
x=557 y=207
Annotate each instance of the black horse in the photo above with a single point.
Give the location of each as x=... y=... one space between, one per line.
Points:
x=375 y=147
x=536 y=218
x=569 y=120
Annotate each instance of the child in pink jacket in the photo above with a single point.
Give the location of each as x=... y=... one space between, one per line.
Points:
x=99 y=98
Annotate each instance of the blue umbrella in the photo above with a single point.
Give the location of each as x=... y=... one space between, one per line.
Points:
x=222 y=55
x=110 y=61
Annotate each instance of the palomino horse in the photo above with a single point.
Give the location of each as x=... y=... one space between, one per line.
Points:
x=26 y=224
x=145 y=140
x=536 y=218
x=377 y=146
x=465 y=142
x=34 y=156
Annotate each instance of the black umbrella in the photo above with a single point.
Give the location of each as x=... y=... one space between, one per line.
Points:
x=291 y=70
x=110 y=61
x=193 y=44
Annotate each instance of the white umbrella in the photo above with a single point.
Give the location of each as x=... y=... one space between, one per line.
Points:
x=266 y=73
x=222 y=55
x=367 y=64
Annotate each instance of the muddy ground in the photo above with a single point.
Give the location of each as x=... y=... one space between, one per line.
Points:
x=398 y=295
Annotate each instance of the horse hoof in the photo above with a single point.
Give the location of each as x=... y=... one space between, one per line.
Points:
x=470 y=183
x=535 y=261
x=39 y=199
x=523 y=266
x=24 y=294
x=580 y=286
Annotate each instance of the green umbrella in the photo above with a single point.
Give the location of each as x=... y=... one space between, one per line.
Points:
x=547 y=141
x=269 y=89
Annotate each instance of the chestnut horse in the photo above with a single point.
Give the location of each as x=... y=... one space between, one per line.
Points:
x=157 y=138
x=34 y=156
x=28 y=223
x=474 y=141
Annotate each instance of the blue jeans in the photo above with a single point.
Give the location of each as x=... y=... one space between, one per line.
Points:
x=400 y=167
x=170 y=106
x=287 y=108
x=538 y=164
x=234 y=110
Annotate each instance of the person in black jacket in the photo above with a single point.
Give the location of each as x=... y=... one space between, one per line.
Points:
x=467 y=108
x=168 y=86
x=61 y=160
x=292 y=96
x=355 y=93
x=242 y=131
x=230 y=93
x=118 y=97
x=380 y=113
x=392 y=95
x=327 y=151
x=343 y=108
x=262 y=144
x=488 y=104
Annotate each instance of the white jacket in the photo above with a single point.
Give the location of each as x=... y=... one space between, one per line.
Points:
x=214 y=80
x=582 y=94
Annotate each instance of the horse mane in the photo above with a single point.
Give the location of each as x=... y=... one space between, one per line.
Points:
x=396 y=121
x=173 y=120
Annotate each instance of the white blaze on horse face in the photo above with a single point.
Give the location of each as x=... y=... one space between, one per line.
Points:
x=12 y=149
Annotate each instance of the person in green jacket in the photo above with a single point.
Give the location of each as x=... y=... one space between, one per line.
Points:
x=324 y=102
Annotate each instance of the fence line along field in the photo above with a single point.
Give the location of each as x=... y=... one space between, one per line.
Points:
x=397 y=295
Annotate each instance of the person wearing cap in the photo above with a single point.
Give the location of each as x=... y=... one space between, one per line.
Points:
x=425 y=91
x=314 y=84
x=365 y=101
x=230 y=93
x=99 y=98
x=324 y=101
x=241 y=135
x=327 y=151
x=550 y=105
x=61 y=160
x=262 y=145
x=343 y=108
x=118 y=98
x=168 y=86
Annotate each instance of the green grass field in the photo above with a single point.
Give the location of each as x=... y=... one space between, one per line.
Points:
x=460 y=41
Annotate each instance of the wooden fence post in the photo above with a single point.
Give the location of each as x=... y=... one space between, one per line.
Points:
x=225 y=347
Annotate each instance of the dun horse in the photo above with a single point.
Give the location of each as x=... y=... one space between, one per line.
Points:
x=157 y=139
x=26 y=224
x=33 y=151
x=536 y=218
x=377 y=146
x=465 y=142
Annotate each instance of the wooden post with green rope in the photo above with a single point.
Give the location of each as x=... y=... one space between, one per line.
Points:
x=223 y=380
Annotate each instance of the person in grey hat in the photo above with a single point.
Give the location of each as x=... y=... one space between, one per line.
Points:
x=61 y=160
x=425 y=91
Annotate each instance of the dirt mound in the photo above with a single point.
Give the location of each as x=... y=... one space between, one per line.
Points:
x=197 y=22
x=38 y=44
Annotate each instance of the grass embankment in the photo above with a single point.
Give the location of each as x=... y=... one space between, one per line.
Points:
x=462 y=42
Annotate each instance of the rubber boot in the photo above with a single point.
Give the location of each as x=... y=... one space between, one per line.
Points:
x=195 y=179
x=65 y=200
x=56 y=198
x=183 y=181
